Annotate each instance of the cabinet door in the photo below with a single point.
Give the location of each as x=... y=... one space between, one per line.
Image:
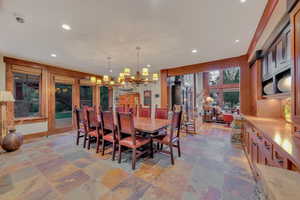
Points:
x=295 y=47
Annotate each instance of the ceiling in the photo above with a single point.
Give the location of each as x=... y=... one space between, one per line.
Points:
x=166 y=30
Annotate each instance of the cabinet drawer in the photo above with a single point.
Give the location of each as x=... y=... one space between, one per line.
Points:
x=279 y=159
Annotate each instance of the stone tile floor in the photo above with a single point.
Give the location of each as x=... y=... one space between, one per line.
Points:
x=210 y=168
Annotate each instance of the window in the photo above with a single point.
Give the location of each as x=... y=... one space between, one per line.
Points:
x=27 y=95
x=231 y=75
x=63 y=105
x=86 y=96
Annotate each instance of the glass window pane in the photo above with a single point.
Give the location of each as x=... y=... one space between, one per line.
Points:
x=63 y=105
x=86 y=96
x=214 y=77
x=27 y=95
x=231 y=75
x=104 y=98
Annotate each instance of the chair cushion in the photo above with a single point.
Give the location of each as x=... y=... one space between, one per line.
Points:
x=165 y=139
x=109 y=137
x=140 y=141
x=94 y=133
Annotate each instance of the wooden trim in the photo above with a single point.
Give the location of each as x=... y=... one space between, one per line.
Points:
x=245 y=80
x=51 y=68
x=35 y=135
x=268 y=11
x=295 y=70
x=26 y=70
x=207 y=66
x=164 y=88
x=29 y=120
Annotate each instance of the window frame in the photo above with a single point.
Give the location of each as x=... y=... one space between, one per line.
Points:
x=31 y=70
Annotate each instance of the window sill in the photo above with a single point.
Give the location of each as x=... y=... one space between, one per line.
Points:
x=29 y=120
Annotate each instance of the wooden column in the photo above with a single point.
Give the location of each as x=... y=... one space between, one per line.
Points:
x=245 y=89
x=164 y=88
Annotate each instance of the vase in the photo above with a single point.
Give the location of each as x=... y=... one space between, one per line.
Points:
x=12 y=141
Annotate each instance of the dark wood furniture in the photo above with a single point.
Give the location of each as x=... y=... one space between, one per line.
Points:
x=144 y=112
x=295 y=29
x=126 y=126
x=172 y=139
x=150 y=125
x=271 y=142
x=109 y=131
x=79 y=119
x=92 y=127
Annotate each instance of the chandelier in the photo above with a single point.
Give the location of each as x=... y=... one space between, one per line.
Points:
x=138 y=78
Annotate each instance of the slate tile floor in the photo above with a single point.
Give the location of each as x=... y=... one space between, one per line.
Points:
x=210 y=168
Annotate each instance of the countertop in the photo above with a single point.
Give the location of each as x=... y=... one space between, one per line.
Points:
x=279 y=184
x=280 y=132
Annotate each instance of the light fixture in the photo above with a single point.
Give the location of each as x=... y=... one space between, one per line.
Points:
x=133 y=77
x=110 y=70
x=155 y=76
x=145 y=72
x=237 y=41
x=66 y=27
x=53 y=55
x=148 y=65
x=194 y=51
x=105 y=78
x=93 y=79
x=99 y=81
x=112 y=82
x=127 y=71
x=243 y=1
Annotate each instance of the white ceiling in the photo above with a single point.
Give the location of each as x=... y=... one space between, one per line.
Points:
x=166 y=30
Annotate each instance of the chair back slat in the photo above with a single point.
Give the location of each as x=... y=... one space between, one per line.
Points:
x=81 y=122
x=92 y=118
x=145 y=112
x=126 y=125
x=175 y=124
x=107 y=119
x=161 y=113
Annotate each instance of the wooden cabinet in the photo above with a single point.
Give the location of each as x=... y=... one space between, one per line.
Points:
x=262 y=150
x=295 y=49
x=131 y=99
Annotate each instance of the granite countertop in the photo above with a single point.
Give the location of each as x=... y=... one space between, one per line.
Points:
x=279 y=131
x=279 y=184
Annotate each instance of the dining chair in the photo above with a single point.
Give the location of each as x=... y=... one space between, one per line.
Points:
x=144 y=112
x=133 y=110
x=161 y=113
x=120 y=108
x=134 y=141
x=108 y=131
x=91 y=113
x=92 y=127
x=79 y=121
x=172 y=138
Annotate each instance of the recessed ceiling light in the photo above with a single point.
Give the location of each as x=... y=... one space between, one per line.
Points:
x=237 y=41
x=194 y=51
x=66 y=27
x=110 y=70
x=53 y=55
x=243 y=1
x=148 y=65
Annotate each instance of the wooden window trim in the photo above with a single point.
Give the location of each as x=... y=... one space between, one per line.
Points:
x=29 y=120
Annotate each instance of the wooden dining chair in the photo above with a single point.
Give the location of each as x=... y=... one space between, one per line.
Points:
x=134 y=141
x=120 y=108
x=144 y=112
x=92 y=128
x=79 y=121
x=133 y=110
x=91 y=115
x=109 y=131
x=172 y=139
x=161 y=113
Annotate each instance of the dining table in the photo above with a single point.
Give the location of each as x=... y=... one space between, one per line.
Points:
x=150 y=125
